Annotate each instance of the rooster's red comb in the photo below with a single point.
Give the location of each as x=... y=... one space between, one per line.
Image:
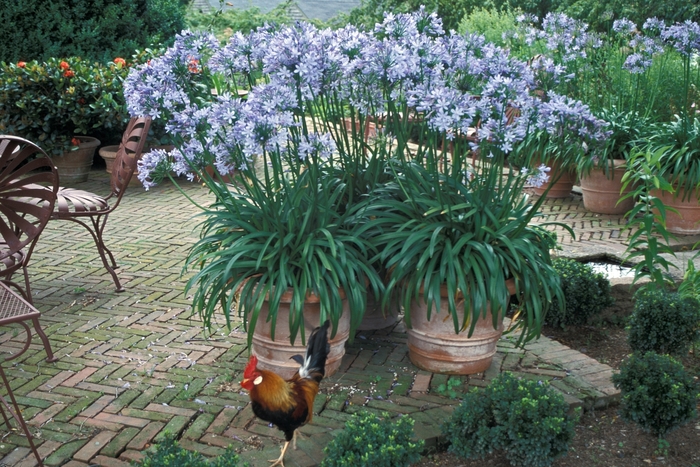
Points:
x=250 y=367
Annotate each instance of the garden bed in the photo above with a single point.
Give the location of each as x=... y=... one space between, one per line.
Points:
x=602 y=437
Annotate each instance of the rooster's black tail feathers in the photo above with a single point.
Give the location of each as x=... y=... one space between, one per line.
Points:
x=314 y=363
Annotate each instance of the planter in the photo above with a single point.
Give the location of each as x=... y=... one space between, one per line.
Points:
x=687 y=221
x=434 y=346
x=74 y=166
x=601 y=194
x=109 y=154
x=275 y=354
x=374 y=317
x=563 y=185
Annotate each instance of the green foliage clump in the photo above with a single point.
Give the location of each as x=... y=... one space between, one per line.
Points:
x=586 y=293
x=663 y=322
x=50 y=102
x=524 y=418
x=370 y=441
x=491 y=23
x=657 y=392
x=169 y=453
x=224 y=23
x=92 y=29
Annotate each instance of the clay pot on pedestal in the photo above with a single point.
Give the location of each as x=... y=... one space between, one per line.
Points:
x=561 y=185
x=74 y=166
x=434 y=346
x=687 y=221
x=274 y=352
x=601 y=193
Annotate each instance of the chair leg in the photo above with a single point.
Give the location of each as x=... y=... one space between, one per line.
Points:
x=98 y=224
x=47 y=345
x=17 y=415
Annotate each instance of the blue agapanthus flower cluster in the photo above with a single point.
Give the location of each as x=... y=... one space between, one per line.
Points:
x=312 y=78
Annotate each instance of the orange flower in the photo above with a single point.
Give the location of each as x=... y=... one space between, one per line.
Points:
x=193 y=66
x=75 y=141
x=64 y=65
x=21 y=64
x=68 y=73
x=120 y=61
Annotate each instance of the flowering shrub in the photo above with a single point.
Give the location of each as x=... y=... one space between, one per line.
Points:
x=299 y=144
x=51 y=102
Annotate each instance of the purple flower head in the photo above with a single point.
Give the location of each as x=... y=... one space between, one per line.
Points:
x=624 y=26
x=158 y=87
x=569 y=121
x=239 y=55
x=315 y=145
x=567 y=37
x=654 y=25
x=685 y=37
x=536 y=177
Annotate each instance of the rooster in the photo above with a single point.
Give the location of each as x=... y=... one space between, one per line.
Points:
x=288 y=404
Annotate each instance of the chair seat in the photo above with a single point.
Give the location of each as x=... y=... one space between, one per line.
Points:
x=11 y=260
x=73 y=201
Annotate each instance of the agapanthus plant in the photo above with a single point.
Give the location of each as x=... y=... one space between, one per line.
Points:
x=309 y=168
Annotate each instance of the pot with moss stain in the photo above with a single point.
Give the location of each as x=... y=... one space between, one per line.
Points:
x=275 y=352
x=434 y=346
x=74 y=166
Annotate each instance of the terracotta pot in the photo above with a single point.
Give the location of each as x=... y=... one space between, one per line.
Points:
x=601 y=194
x=74 y=166
x=275 y=354
x=687 y=221
x=434 y=346
x=374 y=317
x=109 y=154
x=563 y=185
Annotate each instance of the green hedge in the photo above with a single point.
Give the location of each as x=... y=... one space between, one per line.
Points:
x=93 y=29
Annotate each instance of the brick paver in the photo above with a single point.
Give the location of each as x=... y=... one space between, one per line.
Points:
x=134 y=365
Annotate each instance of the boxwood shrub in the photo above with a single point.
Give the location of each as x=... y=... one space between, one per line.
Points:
x=586 y=293
x=526 y=419
x=663 y=322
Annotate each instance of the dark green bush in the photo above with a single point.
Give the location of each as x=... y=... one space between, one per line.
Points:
x=657 y=392
x=370 y=441
x=663 y=322
x=169 y=453
x=524 y=418
x=91 y=29
x=50 y=102
x=586 y=293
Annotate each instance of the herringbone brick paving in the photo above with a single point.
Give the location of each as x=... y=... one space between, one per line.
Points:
x=134 y=365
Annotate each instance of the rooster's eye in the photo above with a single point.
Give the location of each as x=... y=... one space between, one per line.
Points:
x=257 y=380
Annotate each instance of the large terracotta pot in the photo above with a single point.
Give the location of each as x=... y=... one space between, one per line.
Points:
x=561 y=185
x=434 y=346
x=74 y=166
x=275 y=354
x=601 y=194
x=687 y=221
x=375 y=318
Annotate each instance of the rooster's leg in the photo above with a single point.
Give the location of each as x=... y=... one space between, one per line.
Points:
x=280 y=461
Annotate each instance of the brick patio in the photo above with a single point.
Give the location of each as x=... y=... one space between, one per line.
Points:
x=135 y=364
